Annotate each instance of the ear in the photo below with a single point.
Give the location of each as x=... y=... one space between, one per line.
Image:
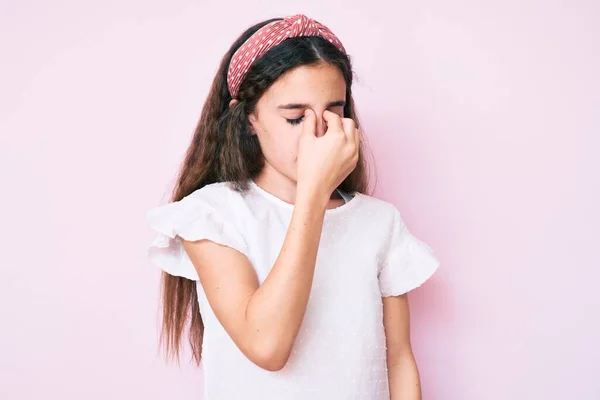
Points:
x=251 y=118
x=252 y=123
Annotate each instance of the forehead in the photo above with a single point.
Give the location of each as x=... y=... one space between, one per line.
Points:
x=312 y=84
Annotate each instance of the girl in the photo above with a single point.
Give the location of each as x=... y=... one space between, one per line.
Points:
x=292 y=279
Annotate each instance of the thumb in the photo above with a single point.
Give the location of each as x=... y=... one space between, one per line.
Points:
x=309 y=127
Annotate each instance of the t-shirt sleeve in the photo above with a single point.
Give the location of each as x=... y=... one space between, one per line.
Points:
x=407 y=262
x=192 y=218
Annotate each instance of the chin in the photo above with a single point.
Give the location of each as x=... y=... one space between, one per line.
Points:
x=291 y=177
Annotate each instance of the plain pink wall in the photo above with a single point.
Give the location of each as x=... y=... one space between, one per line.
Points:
x=484 y=120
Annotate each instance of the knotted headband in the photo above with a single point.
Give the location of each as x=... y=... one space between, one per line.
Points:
x=270 y=36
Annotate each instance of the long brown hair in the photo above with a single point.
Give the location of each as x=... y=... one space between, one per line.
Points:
x=222 y=149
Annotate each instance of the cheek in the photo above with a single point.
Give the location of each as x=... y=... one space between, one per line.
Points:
x=281 y=140
x=287 y=144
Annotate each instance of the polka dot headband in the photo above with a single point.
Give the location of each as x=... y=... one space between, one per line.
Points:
x=268 y=37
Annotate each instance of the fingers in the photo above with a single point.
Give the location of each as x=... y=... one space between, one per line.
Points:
x=351 y=131
x=349 y=128
x=309 y=125
x=356 y=138
x=334 y=122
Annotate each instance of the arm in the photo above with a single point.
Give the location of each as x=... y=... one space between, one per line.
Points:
x=264 y=320
x=403 y=374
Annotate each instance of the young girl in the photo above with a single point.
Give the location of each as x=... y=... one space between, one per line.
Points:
x=292 y=279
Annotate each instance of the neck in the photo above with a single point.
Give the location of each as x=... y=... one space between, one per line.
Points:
x=282 y=186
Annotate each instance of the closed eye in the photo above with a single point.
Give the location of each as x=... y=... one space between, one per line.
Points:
x=295 y=121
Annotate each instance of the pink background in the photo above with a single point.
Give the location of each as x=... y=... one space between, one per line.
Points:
x=484 y=120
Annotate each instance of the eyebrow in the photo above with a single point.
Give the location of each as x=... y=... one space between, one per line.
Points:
x=293 y=106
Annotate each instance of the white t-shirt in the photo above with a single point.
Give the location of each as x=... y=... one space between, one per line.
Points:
x=365 y=253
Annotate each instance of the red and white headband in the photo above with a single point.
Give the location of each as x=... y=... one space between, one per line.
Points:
x=270 y=36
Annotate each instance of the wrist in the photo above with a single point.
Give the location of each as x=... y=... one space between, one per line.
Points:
x=313 y=195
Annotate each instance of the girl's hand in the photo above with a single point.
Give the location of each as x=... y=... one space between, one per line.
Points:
x=324 y=162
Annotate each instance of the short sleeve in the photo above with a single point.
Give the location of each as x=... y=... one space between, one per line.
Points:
x=407 y=262
x=192 y=218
